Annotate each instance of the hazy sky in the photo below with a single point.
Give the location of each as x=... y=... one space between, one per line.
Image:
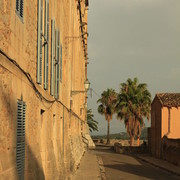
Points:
x=132 y=38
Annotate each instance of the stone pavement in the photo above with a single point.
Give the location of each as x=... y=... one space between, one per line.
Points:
x=159 y=163
x=91 y=166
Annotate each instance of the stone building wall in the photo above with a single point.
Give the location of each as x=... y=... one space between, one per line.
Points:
x=53 y=142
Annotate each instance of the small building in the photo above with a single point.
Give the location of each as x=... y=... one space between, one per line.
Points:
x=165 y=121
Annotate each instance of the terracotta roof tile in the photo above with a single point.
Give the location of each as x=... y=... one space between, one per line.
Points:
x=169 y=99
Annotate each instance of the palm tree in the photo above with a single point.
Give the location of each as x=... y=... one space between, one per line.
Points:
x=133 y=103
x=91 y=122
x=143 y=107
x=107 y=107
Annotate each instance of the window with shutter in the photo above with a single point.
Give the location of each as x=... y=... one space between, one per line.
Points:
x=61 y=63
x=46 y=44
x=17 y=5
x=20 y=138
x=39 y=46
x=56 y=63
x=20 y=9
x=52 y=54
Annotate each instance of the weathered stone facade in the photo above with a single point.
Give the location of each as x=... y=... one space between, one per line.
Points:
x=53 y=127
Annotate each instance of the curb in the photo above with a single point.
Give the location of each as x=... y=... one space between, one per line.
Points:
x=154 y=164
x=101 y=167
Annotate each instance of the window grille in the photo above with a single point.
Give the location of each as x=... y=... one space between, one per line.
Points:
x=20 y=138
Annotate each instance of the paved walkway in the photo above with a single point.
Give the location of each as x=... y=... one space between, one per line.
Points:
x=91 y=166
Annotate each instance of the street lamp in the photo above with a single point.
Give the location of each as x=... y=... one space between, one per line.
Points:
x=86 y=86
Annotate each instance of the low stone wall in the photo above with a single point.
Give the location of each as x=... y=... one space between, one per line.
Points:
x=121 y=141
x=119 y=148
x=170 y=150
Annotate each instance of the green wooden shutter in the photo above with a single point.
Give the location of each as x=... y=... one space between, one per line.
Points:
x=21 y=11
x=52 y=55
x=61 y=62
x=20 y=138
x=46 y=44
x=17 y=5
x=39 y=47
x=56 y=64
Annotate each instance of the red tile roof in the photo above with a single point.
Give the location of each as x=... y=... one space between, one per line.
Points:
x=169 y=99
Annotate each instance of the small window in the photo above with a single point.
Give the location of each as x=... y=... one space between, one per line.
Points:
x=20 y=138
x=20 y=8
x=86 y=3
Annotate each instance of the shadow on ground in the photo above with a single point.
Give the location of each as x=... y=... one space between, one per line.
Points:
x=128 y=167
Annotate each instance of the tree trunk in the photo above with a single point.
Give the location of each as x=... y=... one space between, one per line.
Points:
x=108 y=128
x=131 y=140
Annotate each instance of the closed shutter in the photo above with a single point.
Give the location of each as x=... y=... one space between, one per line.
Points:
x=17 y=5
x=20 y=135
x=39 y=50
x=46 y=45
x=61 y=63
x=52 y=54
x=20 y=8
x=21 y=12
x=56 y=65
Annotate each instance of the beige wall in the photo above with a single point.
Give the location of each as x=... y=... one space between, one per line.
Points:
x=53 y=138
x=174 y=122
x=164 y=127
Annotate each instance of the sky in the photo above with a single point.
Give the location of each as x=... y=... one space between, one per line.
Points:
x=132 y=38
